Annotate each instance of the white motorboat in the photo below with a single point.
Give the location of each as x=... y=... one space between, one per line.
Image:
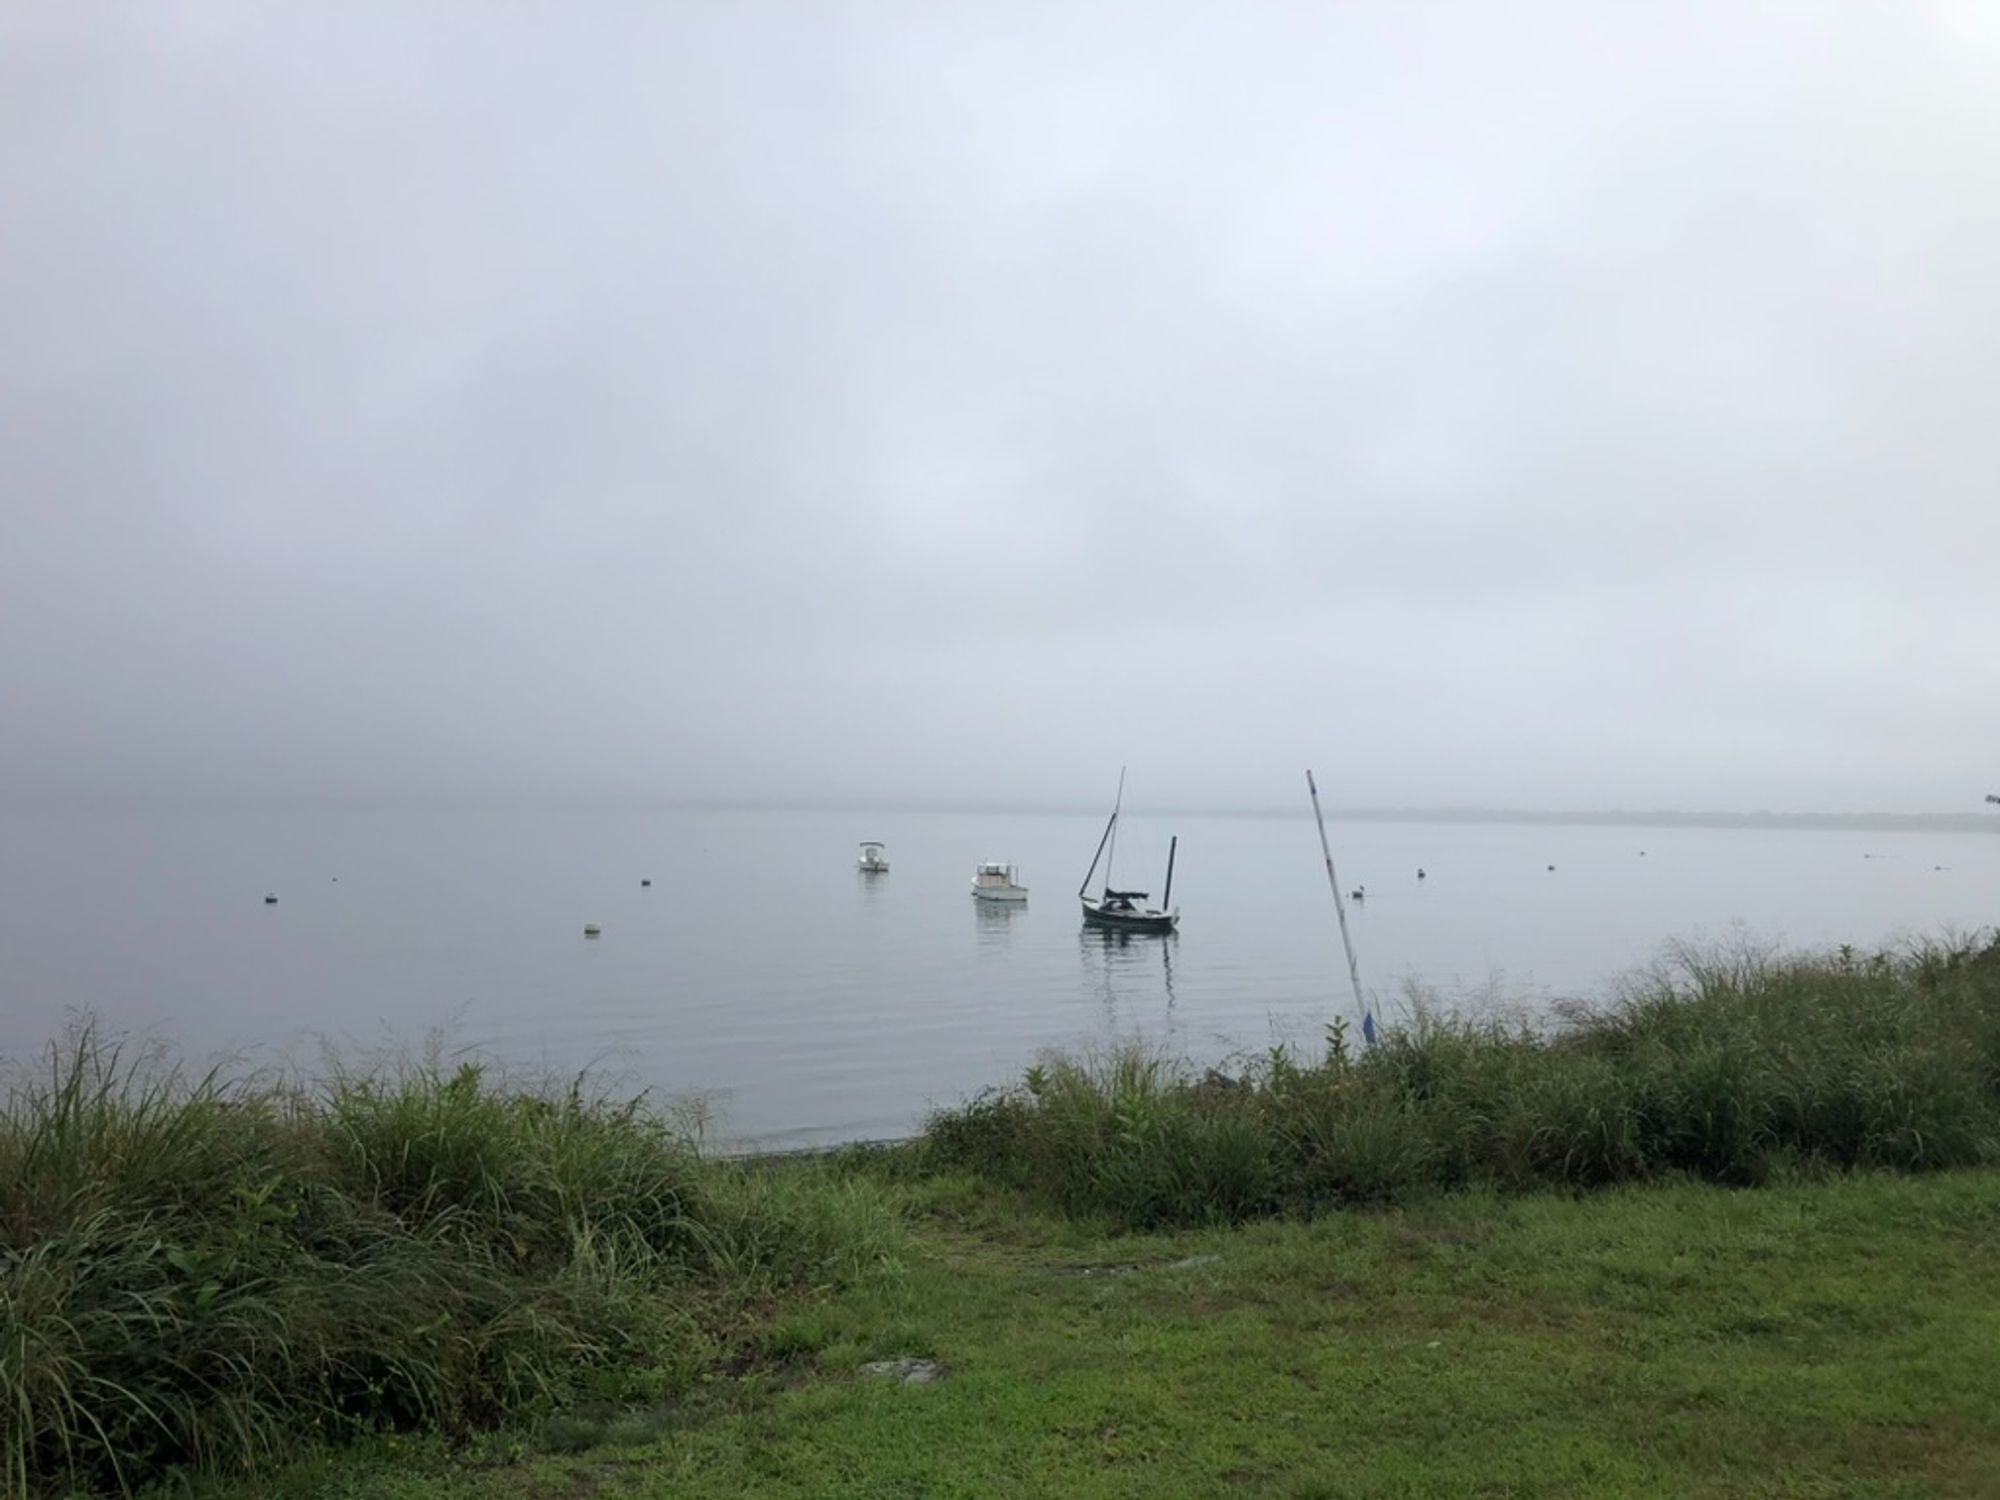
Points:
x=872 y=861
x=998 y=882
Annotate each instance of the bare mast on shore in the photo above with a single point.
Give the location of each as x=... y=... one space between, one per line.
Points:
x=1340 y=910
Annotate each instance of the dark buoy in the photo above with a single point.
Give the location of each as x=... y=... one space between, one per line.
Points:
x=591 y=929
x=270 y=900
x=1551 y=867
x=1420 y=872
x=645 y=882
x=1360 y=893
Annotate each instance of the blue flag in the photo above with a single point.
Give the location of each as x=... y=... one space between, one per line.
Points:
x=1368 y=1028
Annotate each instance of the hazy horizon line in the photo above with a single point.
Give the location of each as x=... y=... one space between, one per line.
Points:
x=1965 y=821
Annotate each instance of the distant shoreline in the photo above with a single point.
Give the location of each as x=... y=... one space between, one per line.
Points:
x=1830 y=822
x=1877 y=822
x=1880 y=822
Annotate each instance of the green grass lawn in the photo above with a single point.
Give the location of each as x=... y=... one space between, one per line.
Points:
x=1839 y=1337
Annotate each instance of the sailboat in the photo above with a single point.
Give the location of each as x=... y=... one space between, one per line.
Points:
x=1125 y=911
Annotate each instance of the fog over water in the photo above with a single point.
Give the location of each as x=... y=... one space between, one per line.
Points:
x=460 y=459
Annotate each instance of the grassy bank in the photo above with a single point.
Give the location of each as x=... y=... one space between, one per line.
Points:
x=474 y=1288
x=1730 y=1067
x=1832 y=1339
x=205 y=1273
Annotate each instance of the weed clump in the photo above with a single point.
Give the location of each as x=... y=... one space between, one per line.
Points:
x=1731 y=1066
x=203 y=1272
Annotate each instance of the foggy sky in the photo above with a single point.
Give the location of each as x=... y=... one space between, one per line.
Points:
x=1539 y=405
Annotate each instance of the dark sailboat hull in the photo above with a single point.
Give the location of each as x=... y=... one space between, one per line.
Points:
x=1095 y=915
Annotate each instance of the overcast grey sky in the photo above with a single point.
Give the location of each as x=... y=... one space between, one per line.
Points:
x=1531 y=405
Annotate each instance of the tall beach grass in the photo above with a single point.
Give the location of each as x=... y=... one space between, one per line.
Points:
x=204 y=1272
x=1728 y=1065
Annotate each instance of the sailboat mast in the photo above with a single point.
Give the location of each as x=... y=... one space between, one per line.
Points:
x=1116 y=807
x=1340 y=909
x=1167 y=900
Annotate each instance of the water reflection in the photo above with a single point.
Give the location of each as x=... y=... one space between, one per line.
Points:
x=993 y=921
x=1136 y=970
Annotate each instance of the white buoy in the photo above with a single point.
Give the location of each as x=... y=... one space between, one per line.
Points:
x=591 y=929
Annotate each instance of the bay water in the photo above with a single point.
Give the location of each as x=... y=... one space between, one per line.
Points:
x=764 y=983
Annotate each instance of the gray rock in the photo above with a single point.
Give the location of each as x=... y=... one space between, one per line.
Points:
x=906 y=1371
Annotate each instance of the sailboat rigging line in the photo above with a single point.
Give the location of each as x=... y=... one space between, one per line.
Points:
x=1340 y=909
x=1080 y=890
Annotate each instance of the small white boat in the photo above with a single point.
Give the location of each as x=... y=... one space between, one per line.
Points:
x=997 y=882
x=872 y=859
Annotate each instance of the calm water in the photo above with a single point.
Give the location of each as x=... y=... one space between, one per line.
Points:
x=812 y=1003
